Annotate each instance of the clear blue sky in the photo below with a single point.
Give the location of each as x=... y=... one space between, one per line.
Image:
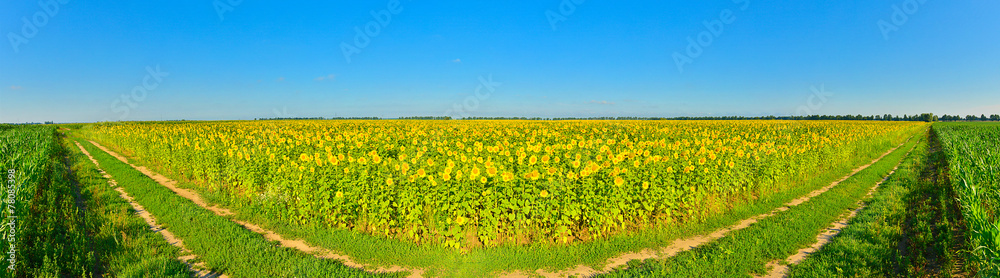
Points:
x=603 y=58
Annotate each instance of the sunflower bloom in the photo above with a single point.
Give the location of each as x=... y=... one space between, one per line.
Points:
x=507 y=176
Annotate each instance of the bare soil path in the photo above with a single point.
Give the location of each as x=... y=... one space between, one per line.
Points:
x=297 y=244
x=779 y=270
x=198 y=268
x=685 y=244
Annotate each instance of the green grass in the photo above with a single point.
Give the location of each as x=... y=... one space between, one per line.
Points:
x=123 y=243
x=223 y=245
x=747 y=251
x=483 y=262
x=905 y=230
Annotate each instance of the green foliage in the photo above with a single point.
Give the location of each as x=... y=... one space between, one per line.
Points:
x=50 y=237
x=973 y=153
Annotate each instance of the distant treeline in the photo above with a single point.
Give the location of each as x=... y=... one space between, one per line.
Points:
x=425 y=118
x=45 y=123
x=982 y=117
x=318 y=118
x=925 y=117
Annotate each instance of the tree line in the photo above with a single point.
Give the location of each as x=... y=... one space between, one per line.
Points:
x=925 y=117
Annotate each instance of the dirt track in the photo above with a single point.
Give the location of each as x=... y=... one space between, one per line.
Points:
x=199 y=268
x=270 y=235
x=685 y=244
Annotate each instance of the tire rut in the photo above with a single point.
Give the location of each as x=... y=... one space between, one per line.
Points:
x=198 y=267
x=297 y=244
x=689 y=243
x=781 y=270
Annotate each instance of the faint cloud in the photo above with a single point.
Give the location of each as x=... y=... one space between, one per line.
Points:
x=281 y=79
x=15 y=87
x=602 y=102
x=328 y=77
x=458 y=61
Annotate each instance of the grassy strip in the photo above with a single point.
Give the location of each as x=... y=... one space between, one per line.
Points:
x=223 y=245
x=123 y=243
x=893 y=235
x=483 y=262
x=747 y=251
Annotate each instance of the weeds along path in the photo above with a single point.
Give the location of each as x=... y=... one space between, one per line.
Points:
x=779 y=270
x=198 y=268
x=684 y=244
x=268 y=234
x=81 y=206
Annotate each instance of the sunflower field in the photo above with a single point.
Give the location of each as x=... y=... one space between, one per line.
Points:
x=468 y=184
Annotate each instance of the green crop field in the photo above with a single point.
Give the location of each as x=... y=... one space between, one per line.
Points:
x=973 y=154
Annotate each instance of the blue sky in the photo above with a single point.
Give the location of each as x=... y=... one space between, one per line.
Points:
x=79 y=61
